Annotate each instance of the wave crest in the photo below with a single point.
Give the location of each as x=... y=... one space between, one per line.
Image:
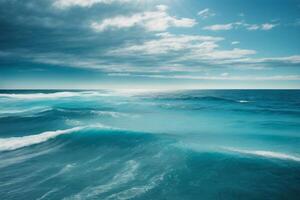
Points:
x=12 y=143
x=267 y=154
x=55 y=95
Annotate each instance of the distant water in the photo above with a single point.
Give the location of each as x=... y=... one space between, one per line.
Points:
x=181 y=145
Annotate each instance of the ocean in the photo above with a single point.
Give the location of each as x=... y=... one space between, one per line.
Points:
x=172 y=145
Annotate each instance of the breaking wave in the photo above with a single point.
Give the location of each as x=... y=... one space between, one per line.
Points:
x=266 y=154
x=13 y=143
x=55 y=95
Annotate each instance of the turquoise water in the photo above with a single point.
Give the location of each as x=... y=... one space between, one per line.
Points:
x=231 y=144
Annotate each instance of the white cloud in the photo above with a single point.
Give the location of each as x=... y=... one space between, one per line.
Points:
x=220 y=27
x=236 y=25
x=235 y=42
x=267 y=26
x=252 y=27
x=206 y=13
x=263 y=62
x=162 y=7
x=158 y=20
x=64 y=4
x=230 y=54
x=167 y=42
x=289 y=59
x=263 y=27
x=186 y=47
x=224 y=76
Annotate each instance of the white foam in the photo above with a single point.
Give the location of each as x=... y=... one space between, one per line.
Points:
x=72 y=122
x=267 y=154
x=12 y=143
x=48 y=193
x=124 y=176
x=8 y=160
x=112 y=114
x=25 y=111
x=67 y=168
x=243 y=101
x=55 y=95
x=137 y=190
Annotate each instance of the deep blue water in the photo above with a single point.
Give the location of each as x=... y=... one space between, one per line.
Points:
x=222 y=144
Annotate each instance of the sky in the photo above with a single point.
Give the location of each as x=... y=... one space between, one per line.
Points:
x=149 y=44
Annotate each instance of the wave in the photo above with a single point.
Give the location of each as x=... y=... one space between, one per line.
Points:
x=13 y=143
x=266 y=154
x=8 y=160
x=203 y=98
x=112 y=114
x=268 y=111
x=25 y=111
x=243 y=101
x=8 y=144
x=55 y=95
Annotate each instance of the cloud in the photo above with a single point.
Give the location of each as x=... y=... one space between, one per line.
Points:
x=166 y=43
x=224 y=76
x=230 y=54
x=288 y=59
x=182 y=49
x=206 y=13
x=237 y=25
x=273 y=62
x=64 y=4
x=252 y=27
x=235 y=42
x=267 y=26
x=263 y=27
x=219 y=27
x=158 y=20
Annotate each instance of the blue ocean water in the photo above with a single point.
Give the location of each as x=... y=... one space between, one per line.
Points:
x=180 y=145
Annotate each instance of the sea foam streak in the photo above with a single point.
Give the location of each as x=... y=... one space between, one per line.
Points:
x=25 y=111
x=54 y=95
x=268 y=154
x=7 y=144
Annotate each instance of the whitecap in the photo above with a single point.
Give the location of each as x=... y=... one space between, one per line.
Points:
x=25 y=111
x=243 y=101
x=266 y=154
x=54 y=95
x=12 y=143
